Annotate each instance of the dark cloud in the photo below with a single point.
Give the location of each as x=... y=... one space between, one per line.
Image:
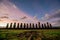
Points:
x=54 y=18
x=24 y=17
x=3 y=0
x=0 y=0
x=56 y=23
x=55 y=15
x=4 y=17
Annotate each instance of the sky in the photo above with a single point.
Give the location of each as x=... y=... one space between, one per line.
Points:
x=28 y=11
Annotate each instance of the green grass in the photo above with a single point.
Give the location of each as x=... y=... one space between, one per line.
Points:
x=11 y=34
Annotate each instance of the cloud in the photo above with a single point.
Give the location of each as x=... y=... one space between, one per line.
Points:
x=1 y=20
x=3 y=0
x=56 y=14
x=11 y=11
x=4 y=17
x=14 y=20
x=6 y=14
x=46 y=17
x=24 y=17
x=54 y=18
x=56 y=23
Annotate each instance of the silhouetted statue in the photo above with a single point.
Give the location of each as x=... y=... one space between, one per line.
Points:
x=7 y=25
x=21 y=25
x=14 y=26
x=17 y=25
x=24 y=25
x=39 y=24
x=11 y=25
x=33 y=25
x=27 y=25
x=44 y=25
x=47 y=25
x=36 y=25
x=30 y=25
x=50 y=26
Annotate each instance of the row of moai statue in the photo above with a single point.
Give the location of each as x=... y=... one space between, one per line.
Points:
x=28 y=26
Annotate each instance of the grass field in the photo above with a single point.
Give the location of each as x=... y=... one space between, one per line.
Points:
x=40 y=34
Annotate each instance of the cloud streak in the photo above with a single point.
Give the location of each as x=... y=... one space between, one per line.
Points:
x=4 y=17
x=54 y=18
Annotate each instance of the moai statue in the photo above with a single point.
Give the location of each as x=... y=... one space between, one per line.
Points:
x=14 y=26
x=30 y=25
x=18 y=25
x=33 y=25
x=47 y=25
x=36 y=26
x=11 y=25
x=39 y=25
x=24 y=25
x=21 y=25
x=7 y=26
x=44 y=25
x=27 y=25
x=50 y=26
